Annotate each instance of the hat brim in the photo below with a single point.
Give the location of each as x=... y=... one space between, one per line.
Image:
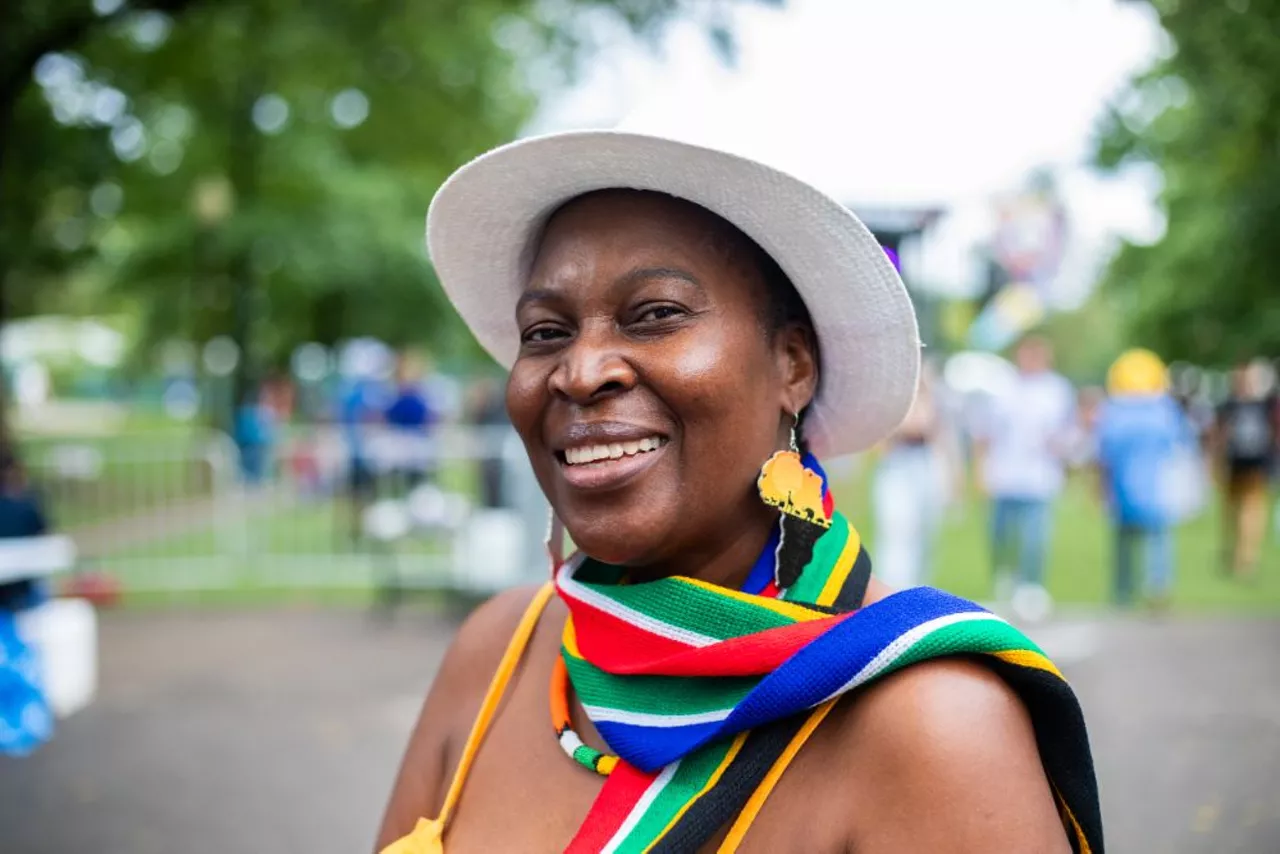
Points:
x=484 y=219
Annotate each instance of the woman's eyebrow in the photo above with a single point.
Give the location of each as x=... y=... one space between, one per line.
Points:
x=627 y=279
x=536 y=295
x=641 y=274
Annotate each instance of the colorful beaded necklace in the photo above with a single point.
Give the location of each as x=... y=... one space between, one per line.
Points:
x=588 y=757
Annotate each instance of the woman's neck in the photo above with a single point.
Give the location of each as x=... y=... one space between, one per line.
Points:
x=724 y=557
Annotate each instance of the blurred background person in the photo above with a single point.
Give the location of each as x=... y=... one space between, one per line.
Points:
x=280 y=396
x=918 y=474
x=1245 y=437
x=21 y=511
x=487 y=410
x=255 y=435
x=410 y=418
x=1140 y=432
x=1024 y=438
x=1084 y=450
x=25 y=718
x=360 y=403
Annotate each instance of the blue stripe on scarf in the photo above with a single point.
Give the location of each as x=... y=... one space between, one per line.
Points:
x=807 y=678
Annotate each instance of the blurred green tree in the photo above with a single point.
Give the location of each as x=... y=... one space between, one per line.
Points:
x=1207 y=114
x=260 y=168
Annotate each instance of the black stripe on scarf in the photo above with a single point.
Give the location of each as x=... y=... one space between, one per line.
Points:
x=1063 y=741
x=726 y=798
x=855 y=586
x=763 y=746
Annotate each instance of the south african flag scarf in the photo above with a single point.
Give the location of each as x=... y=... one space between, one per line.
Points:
x=699 y=688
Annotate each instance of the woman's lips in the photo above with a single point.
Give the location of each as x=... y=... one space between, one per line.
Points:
x=623 y=463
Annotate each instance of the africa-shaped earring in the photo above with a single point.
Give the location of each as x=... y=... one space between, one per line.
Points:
x=796 y=491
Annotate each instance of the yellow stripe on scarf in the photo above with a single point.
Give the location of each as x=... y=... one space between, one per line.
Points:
x=844 y=564
x=1074 y=826
x=1029 y=658
x=569 y=638
x=791 y=610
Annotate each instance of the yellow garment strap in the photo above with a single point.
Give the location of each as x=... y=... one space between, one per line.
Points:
x=761 y=794
x=427 y=837
x=506 y=667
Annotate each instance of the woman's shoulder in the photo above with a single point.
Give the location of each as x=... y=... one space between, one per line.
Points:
x=452 y=703
x=930 y=704
x=950 y=744
x=476 y=650
x=941 y=706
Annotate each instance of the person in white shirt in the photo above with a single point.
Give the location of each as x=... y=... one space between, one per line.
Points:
x=917 y=476
x=1029 y=433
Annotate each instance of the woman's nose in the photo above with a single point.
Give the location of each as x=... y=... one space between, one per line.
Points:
x=592 y=367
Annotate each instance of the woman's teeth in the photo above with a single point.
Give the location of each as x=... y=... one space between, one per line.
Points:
x=614 y=451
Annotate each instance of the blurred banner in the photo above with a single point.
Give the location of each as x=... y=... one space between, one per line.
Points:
x=1026 y=254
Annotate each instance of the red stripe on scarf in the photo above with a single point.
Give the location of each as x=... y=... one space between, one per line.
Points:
x=748 y=655
x=610 y=637
x=621 y=791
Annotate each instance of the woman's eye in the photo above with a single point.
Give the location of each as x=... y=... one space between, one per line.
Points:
x=659 y=312
x=542 y=334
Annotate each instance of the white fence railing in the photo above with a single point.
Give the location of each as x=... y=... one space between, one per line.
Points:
x=175 y=513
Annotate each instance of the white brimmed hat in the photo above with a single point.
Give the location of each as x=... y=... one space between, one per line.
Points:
x=483 y=223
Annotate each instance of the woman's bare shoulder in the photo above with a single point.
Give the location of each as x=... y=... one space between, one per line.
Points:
x=483 y=636
x=450 y=706
x=943 y=756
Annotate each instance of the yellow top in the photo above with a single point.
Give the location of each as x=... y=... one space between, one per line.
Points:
x=427 y=837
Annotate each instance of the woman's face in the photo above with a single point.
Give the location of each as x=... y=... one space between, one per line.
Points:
x=648 y=389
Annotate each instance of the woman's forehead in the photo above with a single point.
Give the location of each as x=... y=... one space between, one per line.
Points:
x=635 y=223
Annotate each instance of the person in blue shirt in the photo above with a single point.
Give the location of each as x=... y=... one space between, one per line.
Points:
x=1141 y=437
x=357 y=409
x=255 y=434
x=410 y=418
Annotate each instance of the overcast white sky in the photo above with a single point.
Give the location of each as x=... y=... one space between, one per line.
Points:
x=928 y=102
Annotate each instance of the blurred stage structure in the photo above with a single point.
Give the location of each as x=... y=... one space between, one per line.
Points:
x=900 y=230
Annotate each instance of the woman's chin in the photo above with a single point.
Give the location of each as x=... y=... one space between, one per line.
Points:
x=618 y=545
x=607 y=552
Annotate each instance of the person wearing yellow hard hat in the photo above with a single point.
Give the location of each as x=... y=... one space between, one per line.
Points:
x=1137 y=372
x=1142 y=438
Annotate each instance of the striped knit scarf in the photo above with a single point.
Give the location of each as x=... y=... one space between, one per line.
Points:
x=699 y=688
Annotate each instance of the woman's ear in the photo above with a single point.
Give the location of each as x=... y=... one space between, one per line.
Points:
x=797 y=351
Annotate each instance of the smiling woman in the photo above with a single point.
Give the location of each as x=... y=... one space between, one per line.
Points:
x=685 y=331
x=647 y=319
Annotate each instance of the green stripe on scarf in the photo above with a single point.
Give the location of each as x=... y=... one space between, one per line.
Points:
x=702 y=611
x=689 y=779
x=655 y=694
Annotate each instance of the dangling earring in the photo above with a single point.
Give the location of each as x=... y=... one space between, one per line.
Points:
x=555 y=541
x=795 y=490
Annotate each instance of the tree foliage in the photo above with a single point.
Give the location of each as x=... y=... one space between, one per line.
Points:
x=261 y=168
x=1208 y=115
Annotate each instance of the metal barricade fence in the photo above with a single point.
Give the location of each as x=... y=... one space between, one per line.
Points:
x=159 y=512
x=458 y=510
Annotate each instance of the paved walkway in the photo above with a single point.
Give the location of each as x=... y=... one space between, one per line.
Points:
x=280 y=732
